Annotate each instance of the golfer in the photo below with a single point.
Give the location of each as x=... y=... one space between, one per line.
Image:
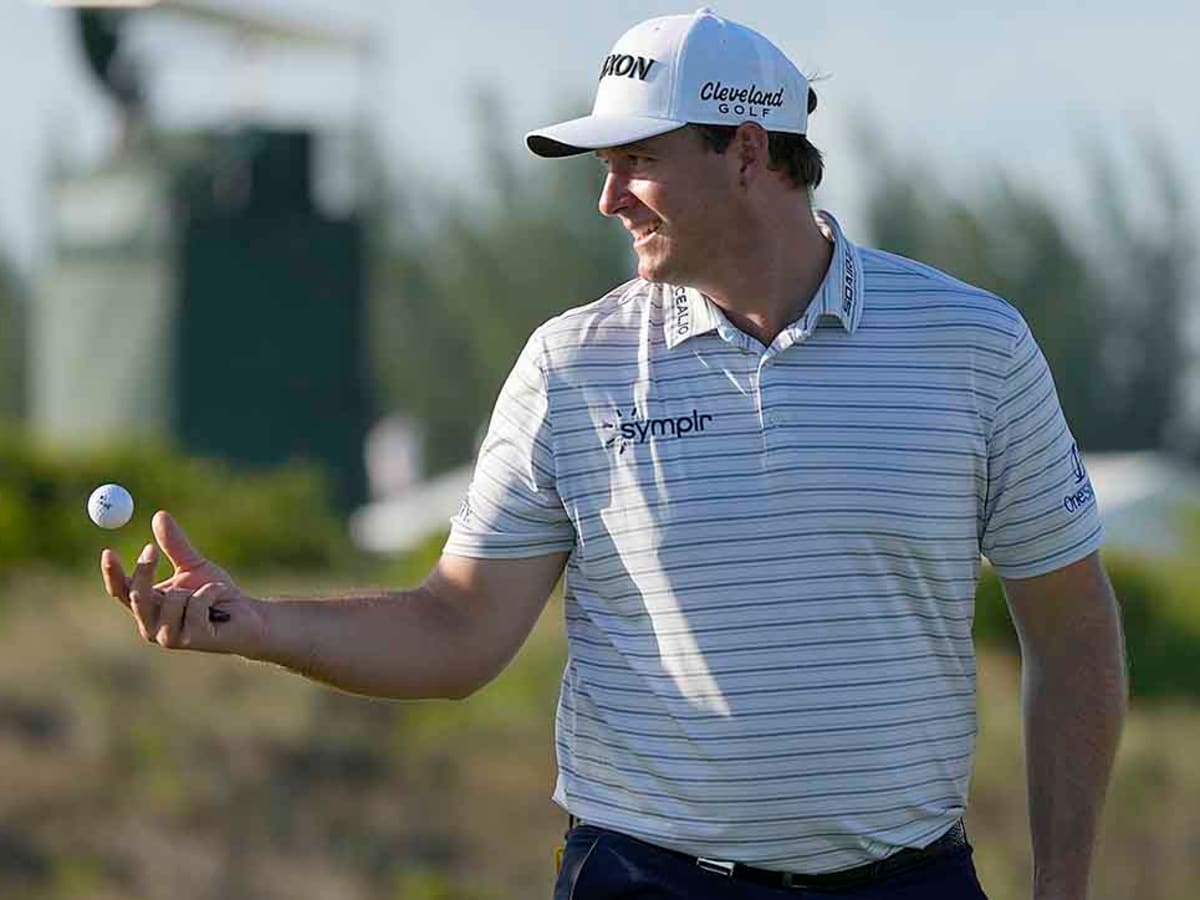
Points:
x=769 y=465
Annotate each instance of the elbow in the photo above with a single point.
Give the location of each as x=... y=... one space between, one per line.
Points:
x=452 y=690
x=427 y=689
x=464 y=689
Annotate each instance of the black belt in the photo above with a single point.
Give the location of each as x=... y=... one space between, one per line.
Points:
x=902 y=860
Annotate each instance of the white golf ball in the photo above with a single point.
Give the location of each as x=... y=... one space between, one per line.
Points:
x=110 y=506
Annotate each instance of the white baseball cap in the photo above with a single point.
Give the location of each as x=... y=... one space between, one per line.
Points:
x=666 y=72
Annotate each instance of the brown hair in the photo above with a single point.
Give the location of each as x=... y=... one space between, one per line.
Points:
x=789 y=153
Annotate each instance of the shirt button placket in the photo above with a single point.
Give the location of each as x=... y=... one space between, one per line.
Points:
x=770 y=417
x=754 y=380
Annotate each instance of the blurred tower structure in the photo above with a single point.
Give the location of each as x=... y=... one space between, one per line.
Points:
x=270 y=299
x=193 y=292
x=102 y=324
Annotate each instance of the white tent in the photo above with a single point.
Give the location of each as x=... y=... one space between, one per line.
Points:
x=1145 y=498
x=400 y=523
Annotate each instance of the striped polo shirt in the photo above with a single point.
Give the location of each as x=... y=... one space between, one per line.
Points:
x=774 y=550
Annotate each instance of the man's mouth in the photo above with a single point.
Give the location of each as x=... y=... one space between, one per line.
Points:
x=640 y=235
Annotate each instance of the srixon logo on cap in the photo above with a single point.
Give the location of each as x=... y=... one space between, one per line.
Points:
x=625 y=66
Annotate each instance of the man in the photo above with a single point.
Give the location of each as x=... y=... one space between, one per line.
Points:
x=769 y=465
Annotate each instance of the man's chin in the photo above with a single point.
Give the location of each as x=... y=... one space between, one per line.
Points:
x=653 y=270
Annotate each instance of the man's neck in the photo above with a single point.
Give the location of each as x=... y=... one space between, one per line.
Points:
x=775 y=279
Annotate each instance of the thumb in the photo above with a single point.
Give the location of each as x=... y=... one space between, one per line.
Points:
x=174 y=542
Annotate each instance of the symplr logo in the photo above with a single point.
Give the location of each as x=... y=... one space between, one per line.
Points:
x=636 y=429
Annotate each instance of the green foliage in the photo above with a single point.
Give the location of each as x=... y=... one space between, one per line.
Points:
x=1107 y=301
x=410 y=568
x=1189 y=526
x=13 y=339
x=424 y=884
x=457 y=287
x=244 y=519
x=993 y=626
x=1148 y=267
x=1160 y=616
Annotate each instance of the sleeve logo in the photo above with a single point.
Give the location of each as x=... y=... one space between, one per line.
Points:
x=1083 y=496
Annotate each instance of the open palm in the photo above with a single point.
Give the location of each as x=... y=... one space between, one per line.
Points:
x=198 y=607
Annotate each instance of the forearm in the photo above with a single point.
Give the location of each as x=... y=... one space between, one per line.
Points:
x=403 y=644
x=1074 y=702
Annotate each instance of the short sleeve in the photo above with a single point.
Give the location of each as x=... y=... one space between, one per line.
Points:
x=512 y=508
x=1040 y=513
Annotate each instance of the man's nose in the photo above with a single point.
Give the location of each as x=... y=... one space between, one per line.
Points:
x=614 y=196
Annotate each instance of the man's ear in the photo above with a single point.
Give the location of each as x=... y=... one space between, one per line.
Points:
x=753 y=154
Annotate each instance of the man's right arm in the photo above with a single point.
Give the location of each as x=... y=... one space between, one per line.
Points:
x=447 y=638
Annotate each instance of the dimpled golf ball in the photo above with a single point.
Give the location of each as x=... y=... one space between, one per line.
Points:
x=110 y=506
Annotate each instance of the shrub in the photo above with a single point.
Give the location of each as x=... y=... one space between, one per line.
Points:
x=242 y=518
x=1160 y=615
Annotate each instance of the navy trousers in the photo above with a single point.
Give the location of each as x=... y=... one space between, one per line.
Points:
x=598 y=864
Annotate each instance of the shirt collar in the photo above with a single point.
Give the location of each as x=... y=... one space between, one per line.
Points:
x=840 y=295
x=689 y=313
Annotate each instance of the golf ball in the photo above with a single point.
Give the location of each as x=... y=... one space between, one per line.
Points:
x=110 y=506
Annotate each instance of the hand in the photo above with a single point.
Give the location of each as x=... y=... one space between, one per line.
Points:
x=198 y=607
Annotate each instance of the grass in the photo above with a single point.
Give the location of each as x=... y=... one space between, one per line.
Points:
x=127 y=771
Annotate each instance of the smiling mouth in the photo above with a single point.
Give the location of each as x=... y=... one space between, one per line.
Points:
x=645 y=233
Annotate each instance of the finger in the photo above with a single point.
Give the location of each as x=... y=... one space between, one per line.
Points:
x=202 y=609
x=115 y=582
x=171 y=618
x=143 y=598
x=174 y=542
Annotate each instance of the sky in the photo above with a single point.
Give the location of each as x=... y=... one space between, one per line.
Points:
x=1022 y=86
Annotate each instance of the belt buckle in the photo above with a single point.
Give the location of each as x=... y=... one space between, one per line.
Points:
x=716 y=866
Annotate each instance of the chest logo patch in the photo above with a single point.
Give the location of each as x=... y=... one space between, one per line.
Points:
x=626 y=429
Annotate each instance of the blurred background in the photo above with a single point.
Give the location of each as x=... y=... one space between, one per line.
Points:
x=266 y=264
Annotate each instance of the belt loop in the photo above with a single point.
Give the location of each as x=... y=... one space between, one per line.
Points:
x=716 y=866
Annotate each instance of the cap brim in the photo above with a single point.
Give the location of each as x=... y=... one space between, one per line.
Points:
x=595 y=133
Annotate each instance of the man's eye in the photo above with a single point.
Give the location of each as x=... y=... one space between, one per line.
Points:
x=625 y=163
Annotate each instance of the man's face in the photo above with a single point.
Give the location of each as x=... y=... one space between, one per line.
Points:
x=676 y=198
